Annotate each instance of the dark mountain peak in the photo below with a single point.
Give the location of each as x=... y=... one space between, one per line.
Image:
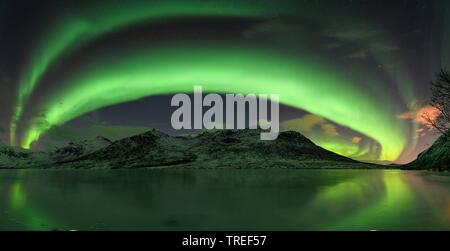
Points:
x=227 y=135
x=247 y=146
x=145 y=139
x=293 y=136
x=137 y=145
x=74 y=150
x=156 y=133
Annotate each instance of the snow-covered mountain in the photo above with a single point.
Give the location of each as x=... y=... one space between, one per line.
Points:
x=209 y=149
x=75 y=150
x=12 y=157
x=214 y=149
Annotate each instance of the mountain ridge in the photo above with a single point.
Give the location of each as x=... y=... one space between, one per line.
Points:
x=209 y=149
x=436 y=157
x=213 y=149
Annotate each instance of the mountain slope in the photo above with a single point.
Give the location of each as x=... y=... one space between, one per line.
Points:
x=149 y=149
x=11 y=157
x=213 y=149
x=75 y=150
x=437 y=157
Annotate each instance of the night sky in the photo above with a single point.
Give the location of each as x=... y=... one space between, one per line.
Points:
x=353 y=76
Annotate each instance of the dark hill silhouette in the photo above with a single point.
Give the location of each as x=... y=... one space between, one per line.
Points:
x=437 y=157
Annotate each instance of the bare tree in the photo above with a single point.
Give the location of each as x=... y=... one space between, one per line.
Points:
x=440 y=100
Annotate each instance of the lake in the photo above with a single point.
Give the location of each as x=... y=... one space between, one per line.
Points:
x=224 y=199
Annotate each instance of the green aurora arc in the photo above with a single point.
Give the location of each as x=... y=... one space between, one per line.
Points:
x=69 y=31
x=219 y=68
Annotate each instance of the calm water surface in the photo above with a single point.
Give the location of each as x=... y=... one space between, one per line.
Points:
x=224 y=200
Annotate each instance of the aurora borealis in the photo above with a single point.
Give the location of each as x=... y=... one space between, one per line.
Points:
x=67 y=33
x=219 y=71
x=336 y=60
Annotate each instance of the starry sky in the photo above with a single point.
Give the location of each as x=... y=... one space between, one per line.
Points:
x=353 y=76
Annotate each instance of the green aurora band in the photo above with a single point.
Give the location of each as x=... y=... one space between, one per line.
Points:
x=300 y=83
x=69 y=31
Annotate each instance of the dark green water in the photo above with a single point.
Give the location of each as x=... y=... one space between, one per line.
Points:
x=224 y=200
